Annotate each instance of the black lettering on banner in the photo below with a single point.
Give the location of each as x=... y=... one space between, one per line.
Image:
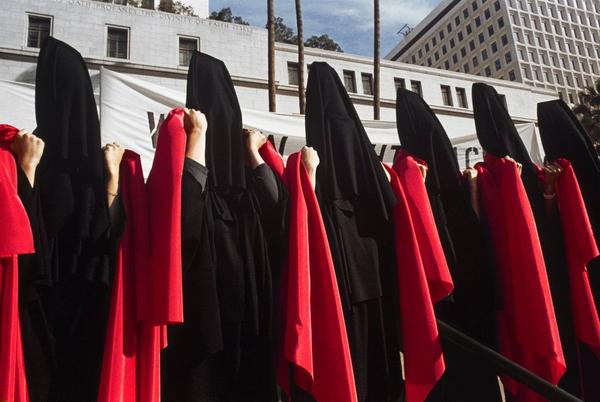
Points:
x=382 y=152
x=281 y=149
x=154 y=127
x=470 y=150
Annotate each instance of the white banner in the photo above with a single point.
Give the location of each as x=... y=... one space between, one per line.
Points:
x=131 y=110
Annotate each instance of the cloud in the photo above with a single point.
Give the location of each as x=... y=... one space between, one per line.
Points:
x=349 y=22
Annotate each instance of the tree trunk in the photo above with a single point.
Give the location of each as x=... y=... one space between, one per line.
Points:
x=301 y=67
x=271 y=56
x=376 y=61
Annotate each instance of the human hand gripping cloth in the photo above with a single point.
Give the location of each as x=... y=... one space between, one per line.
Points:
x=130 y=369
x=164 y=205
x=527 y=328
x=423 y=358
x=430 y=246
x=15 y=238
x=581 y=248
x=315 y=344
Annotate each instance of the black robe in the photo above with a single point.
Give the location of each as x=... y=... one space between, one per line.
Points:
x=73 y=200
x=497 y=134
x=563 y=137
x=231 y=231
x=356 y=201
x=472 y=308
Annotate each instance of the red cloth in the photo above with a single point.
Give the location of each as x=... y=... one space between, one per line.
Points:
x=315 y=344
x=130 y=364
x=164 y=203
x=15 y=239
x=580 y=248
x=430 y=245
x=423 y=358
x=527 y=329
x=147 y=289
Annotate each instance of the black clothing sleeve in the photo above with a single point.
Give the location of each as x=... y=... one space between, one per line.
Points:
x=198 y=171
x=265 y=187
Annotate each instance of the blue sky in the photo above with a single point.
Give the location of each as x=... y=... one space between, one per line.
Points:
x=349 y=22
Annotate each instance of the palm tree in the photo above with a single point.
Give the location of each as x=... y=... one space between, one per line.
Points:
x=300 y=28
x=376 y=62
x=588 y=112
x=271 y=55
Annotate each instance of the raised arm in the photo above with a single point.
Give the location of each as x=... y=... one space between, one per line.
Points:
x=28 y=150
x=311 y=161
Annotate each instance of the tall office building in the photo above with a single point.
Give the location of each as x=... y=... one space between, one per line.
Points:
x=551 y=44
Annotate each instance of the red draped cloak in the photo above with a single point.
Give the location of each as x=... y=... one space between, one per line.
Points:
x=147 y=284
x=423 y=358
x=527 y=328
x=15 y=238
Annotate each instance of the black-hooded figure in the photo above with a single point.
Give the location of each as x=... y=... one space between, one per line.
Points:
x=72 y=191
x=498 y=136
x=356 y=201
x=472 y=307
x=564 y=137
x=233 y=215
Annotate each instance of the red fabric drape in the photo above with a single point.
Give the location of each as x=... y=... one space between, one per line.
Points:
x=148 y=271
x=315 y=344
x=15 y=239
x=164 y=204
x=527 y=329
x=581 y=248
x=125 y=367
x=430 y=245
x=423 y=358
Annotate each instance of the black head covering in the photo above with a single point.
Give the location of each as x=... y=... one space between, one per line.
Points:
x=564 y=137
x=71 y=172
x=498 y=136
x=210 y=90
x=73 y=198
x=349 y=167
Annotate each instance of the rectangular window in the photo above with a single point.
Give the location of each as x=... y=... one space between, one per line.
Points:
x=487 y=14
x=449 y=28
x=488 y=71
x=508 y=57
x=469 y=29
x=415 y=86
x=399 y=83
x=427 y=47
x=117 y=42
x=504 y=40
x=475 y=61
x=494 y=47
x=474 y=5
x=187 y=47
x=484 y=54
x=444 y=49
x=466 y=13
x=498 y=65
x=511 y=75
x=455 y=58
x=472 y=45
x=460 y=36
x=478 y=22
x=500 y=22
x=481 y=38
x=39 y=28
x=447 y=64
x=293 y=78
x=434 y=41
x=446 y=95
x=491 y=31
x=463 y=52
x=436 y=56
x=497 y=6
x=461 y=95
x=350 y=81
x=367 y=82
x=466 y=67
x=452 y=43
x=457 y=20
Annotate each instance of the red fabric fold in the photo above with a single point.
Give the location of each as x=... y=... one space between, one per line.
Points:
x=127 y=368
x=164 y=204
x=423 y=358
x=581 y=248
x=147 y=289
x=430 y=245
x=315 y=344
x=527 y=328
x=15 y=238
